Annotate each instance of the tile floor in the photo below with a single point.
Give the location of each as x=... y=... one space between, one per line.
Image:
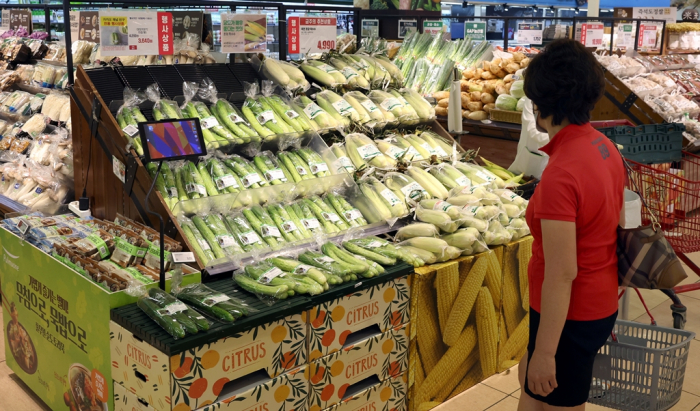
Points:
x=498 y=393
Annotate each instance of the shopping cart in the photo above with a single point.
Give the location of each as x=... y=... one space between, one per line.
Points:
x=672 y=192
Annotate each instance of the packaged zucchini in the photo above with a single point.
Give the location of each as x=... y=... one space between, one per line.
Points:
x=226 y=114
x=267 y=282
x=171 y=314
x=213 y=303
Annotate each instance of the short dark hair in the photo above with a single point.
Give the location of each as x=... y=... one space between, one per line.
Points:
x=565 y=81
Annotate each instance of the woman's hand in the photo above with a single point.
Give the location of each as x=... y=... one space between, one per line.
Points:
x=541 y=374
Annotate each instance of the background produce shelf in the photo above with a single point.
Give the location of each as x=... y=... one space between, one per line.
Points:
x=132 y=318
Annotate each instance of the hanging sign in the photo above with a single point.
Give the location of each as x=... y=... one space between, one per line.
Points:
x=311 y=34
x=592 y=34
x=185 y=22
x=5 y=23
x=74 y=24
x=530 y=33
x=136 y=33
x=625 y=35
x=475 y=31
x=370 y=28
x=432 y=27
x=21 y=18
x=406 y=27
x=243 y=33
x=89 y=26
x=647 y=36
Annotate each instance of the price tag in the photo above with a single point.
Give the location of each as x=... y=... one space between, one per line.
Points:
x=647 y=36
x=310 y=223
x=343 y=108
x=291 y=114
x=289 y=226
x=370 y=28
x=413 y=154
x=276 y=174
x=530 y=33
x=302 y=269
x=332 y=217
x=226 y=241
x=508 y=195
x=131 y=130
x=324 y=260
x=300 y=170
x=345 y=163
x=270 y=231
x=390 y=103
x=250 y=179
x=183 y=257
x=22 y=226
x=203 y=244
x=348 y=72
x=592 y=34
x=368 y=151
x=463 y=181
x=432 y=27
x=224 y=182
x=395 y=152
x=311 y=34
x=266 y=116
x=236 y=118
x=625 y=36
x=471 y=210
x=215 y=299
x=318 y=167
x=312 y=110
x=270 y=275
x=475 y=31
x=375 y=244
x=413 y=191
x=209 y=122
x=243 y=33
x=390 y=197
x=353 y=214
x=172 y=308
x=251 y=237
x=133 y=33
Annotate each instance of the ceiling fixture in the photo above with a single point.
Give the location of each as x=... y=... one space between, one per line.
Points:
x=505 y=7
x=534 y=8
x=552 y=8
x=465 y=4
x=576 y=10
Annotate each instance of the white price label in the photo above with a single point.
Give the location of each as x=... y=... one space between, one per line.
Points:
x=183 y=257
x=324 y=260
x=343 y=108
x=203 y=244
x=270 y=231
x=508 y=195
x=442 y=205
x=129 y=33
x=226 y=181
x=236 y=118
x=471 y=210
x=395 y=152
x=328 y=69
x=209 y=122
x=368 y=151
x=375 y=244
x=226 y=240
x=251 y=237
x=215 y=299
x=413 y=191
x=302 y=269
x=390 y=104
x=318 y=167
x=311 y=223
x=463 y=181
x=300 y=170
x=289 y=226
x=250 y=179
x=440 y=152
x=131 y=130
x=348 y=72
x=270 y=275
x=352 y=215
x=427 y=147
x=172 y=192
x=266 y=116
x=530 y=33
x=369 y=105
x=413 y=154
x=291 y=114
x=346 y=163
x=276 y=174
x=484 y=176
x=332 y=217
x=592 y=35
x=312 y=110
x=173 y=308
x=390 y=197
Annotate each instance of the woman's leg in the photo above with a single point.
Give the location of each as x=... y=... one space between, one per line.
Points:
x=526 y=403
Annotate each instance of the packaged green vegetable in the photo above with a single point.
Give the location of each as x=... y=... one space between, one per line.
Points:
x=266 y=281
x=170 y=313
x=213 y=303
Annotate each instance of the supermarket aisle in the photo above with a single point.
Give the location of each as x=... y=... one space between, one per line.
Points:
x=498 y=393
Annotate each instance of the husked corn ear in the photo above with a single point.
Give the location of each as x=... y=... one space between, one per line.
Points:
x=447 y=285
x=509 y=364
x=487 y=329
x=427 y=328
x=518 y=339
x=472 y=378
x=494 y=278
x=452 y=358
x=419 y=374
x=465 y=302
x=502 y=335
x=512 y=306
x=457 y=376
x=524 y=255
x=427 y=406
x=465 y=265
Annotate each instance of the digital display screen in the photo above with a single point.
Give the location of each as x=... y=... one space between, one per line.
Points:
x=172 y=139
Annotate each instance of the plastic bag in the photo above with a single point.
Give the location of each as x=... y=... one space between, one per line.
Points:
x=171 y=314
x=227 y=115
x=213 y=303
x=215 y=135
x=162 y=109
x=266 y=281
x=243 y=231
x=405 y=187
x=443 y=215
x=318 y=118
x=343 y=162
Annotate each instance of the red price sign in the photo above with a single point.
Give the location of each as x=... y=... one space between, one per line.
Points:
x=592 y=35
x=647 y=36
x=311 y=34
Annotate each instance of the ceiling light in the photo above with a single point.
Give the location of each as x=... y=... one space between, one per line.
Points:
x=505 y=7
x=576 y=10
x=465 y=4
x=534 y=8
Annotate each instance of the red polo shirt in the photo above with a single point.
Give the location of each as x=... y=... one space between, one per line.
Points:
x=583 y=183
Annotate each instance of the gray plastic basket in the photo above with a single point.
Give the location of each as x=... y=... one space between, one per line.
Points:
x=643 y=370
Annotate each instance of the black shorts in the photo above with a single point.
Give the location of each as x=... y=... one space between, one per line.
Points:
x=578 y=346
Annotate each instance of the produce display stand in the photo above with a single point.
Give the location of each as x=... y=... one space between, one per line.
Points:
x=304 y=343
x=64 y=318
x=619 y=102
x=438 y=372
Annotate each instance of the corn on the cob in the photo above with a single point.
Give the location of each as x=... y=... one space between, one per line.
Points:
x=464 y=266
x=465 y=302
x=426 y=406
x=418 y=373
x=471 y=379
x=524 y=254
x=487 y=327
x=427 y=329
x=447 y=285
x=494 y=278
x=505 y=365
x=452 y=358
x=453 y=380
x=502 y=335
x=512 y=306
x=518 y=339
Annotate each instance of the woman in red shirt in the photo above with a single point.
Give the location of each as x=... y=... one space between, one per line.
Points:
x=573 y=216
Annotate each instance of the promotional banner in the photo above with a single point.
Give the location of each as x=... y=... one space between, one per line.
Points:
x=311 y=34
x=243 y=33
x=406 y=27
x=187 y=22
x=370 y=27
x=475 y=31
x=89 y=26
x=652 y=13
x=432 y=27
x=530 y=33
x=647 y=36
x=135 y=33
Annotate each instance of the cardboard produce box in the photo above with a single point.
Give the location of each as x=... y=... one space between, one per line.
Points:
x=196 y=377
x=127 y=401
x=389 y=394
x=374 y=357
x=383 y=306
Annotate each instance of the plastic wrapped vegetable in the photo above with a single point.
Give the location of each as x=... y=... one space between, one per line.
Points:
x=226 y=114
x=199 y=245
x=263 y=224
x=171 y=314
x=213 y=303
x=242 y=230
x=266 y=164
x=318 y=118
x=214 y=134
x=261 y=115
x=129 y=115
x=162 y=109
x=323 y=73
x=317 y=165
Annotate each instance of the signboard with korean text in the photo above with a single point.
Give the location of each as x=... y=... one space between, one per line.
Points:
x=370 y=27
x=56 y=327
x=475 y=31
x=655 y=13
x=647 y=36
x=592 y=34
x=5 y=23
x=311 y=34
x=74 y=24
x=185 y=22
x=406 y=27
x=89 y=26
x=21 y=18
x=625 y=35
x=135 y=33
x=433 y=27
x=243 y=33
x=530 y=33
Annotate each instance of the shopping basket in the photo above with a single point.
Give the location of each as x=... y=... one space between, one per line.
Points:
x=641 y=367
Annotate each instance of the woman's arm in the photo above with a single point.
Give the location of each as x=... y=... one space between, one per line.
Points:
x=560 y=270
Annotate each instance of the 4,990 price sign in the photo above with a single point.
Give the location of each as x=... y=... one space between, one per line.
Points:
x=311 y=34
